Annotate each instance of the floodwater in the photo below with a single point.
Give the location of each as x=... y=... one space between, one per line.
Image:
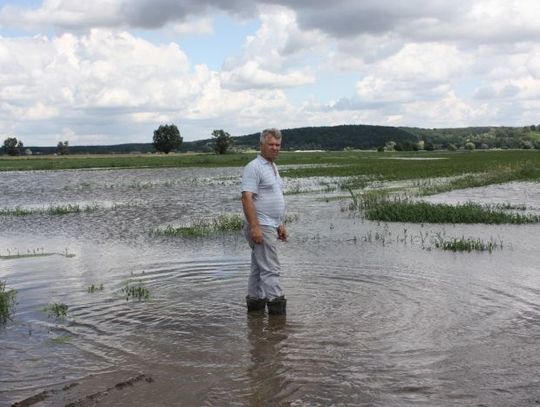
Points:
x=377 y=316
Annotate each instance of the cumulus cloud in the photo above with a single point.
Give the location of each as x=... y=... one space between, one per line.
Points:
x=266 y=60
x=194 y=26
x=119 y=83
x=425 y=63
x=76 y=15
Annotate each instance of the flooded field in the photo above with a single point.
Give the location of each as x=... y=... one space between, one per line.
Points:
x=377 y=314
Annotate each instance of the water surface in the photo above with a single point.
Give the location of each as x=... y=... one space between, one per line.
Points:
x=377 y=316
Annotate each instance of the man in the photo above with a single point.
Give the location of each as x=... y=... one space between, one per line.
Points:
x=264 y=207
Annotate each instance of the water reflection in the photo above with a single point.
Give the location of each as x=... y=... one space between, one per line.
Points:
x=267 y=337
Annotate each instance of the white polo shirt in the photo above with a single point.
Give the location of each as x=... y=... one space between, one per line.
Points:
x=261 y=177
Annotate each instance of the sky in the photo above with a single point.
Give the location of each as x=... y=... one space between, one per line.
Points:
x=112 y=71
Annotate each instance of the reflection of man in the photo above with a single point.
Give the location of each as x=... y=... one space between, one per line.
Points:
x=267 y=377
x=264 y=206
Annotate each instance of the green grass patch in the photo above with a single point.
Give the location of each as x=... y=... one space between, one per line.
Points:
x=223 y=223
x=400 y=210
x=204 y=227
x=56 y=310
x=122 y=161
x=517 y=164
x=51 y=210
x=467 y=244
x=7 y=302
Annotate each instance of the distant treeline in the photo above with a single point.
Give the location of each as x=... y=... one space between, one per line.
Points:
x=527 y=137
x=350 y=137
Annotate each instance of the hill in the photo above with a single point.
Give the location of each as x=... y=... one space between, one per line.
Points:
x=348 y=136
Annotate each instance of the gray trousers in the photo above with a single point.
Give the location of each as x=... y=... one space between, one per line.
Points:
x=263 y=279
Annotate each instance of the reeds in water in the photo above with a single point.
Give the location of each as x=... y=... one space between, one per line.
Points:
x=138 y=292
x=7 y=302
x=95 y=288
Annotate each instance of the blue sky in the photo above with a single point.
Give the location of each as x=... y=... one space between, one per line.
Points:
x=111 y=71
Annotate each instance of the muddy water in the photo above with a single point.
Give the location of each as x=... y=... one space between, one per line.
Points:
x=377 y=316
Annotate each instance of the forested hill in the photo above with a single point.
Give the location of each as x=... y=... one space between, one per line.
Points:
x=334 y=138
x=348 y=136
x=320 y=138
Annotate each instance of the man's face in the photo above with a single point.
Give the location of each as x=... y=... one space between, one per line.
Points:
x=270 y=148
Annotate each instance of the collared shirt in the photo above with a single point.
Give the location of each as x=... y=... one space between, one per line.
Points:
x=261 y=178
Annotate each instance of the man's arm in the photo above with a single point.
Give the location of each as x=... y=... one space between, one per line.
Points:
x=251 y=215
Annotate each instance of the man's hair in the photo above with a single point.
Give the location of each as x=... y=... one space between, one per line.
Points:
x=270 y=132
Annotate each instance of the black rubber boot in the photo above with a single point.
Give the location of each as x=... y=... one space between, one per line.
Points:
x=278 y=306
x=255 y=304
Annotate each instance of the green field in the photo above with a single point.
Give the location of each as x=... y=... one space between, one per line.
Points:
x=513 y=164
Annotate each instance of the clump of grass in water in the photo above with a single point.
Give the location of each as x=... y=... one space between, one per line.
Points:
x=403 y=210
x=51 y=210
x=204 y=227
x=7 y=302
x=16 y=254
x=136 y=292
x=94 y=288
x=466 y=244
x=367 y=199
x=57 y=310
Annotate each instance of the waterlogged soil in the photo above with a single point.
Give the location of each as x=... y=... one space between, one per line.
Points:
x=377 y=315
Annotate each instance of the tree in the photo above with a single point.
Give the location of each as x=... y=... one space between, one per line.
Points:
x=469 y=146
x=222 y=141
x=62 y=148
x=167 y=138
x=12 y=146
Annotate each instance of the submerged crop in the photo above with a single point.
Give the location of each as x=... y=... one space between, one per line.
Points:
x=425 y=212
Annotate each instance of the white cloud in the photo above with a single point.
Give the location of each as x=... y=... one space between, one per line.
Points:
x=67 y=14
x=251 y=76
x=194 y=26
x=423 y=63
x=267 y=59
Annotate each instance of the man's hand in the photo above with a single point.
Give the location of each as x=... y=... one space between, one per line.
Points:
x=282 y=233
x=256 y=234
